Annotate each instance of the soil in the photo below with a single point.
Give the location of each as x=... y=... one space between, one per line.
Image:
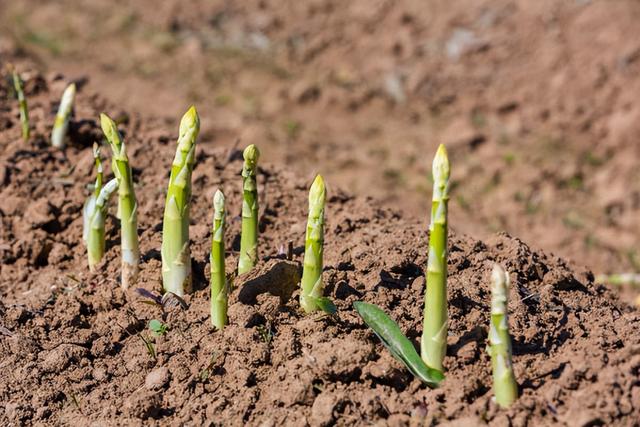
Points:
x=535 y=100
x=76 y=350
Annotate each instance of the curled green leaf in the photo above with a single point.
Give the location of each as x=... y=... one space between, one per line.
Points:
x=398 y=344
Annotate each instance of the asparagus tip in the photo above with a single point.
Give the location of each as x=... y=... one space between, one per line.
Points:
x=218 y=201
x=251 y=154
x=190 y=120
x=441 y=168
x=317 y=193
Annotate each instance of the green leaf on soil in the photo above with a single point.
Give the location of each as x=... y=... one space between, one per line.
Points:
x=398 y=344
x=325 y=304
x=157 y=327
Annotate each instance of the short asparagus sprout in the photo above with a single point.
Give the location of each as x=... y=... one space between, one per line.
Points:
x=22 y=103
x=127 y=203
x=97 y=217
x=219 y=288
x=505 y=387
x=311 y=298
x=61 y=124
x=249 y=234
x=434 y=333
x=90 y=204
x=176 y=254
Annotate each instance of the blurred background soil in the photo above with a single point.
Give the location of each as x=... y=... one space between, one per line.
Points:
x=537 y=102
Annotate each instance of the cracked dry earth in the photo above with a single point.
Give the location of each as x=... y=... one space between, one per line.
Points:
x=74 y=348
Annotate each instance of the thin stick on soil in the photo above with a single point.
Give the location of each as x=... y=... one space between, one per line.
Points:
x=219 y=288
x=127 y=203
x=176 y=254
x=61 y=124
x=249 y=235
x=505 y=387
x=434 y=333
x=22 y=102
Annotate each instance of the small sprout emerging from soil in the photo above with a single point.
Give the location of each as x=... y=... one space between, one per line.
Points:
x=434 y=333
x=127 y=203
x=61 y=124
x=89 y=205
x=151 y=350
x=505 y=387
x=249 y=235
x=95 y=214
x=311 y=295
x=22 y=103
x=176 y=254
x=398 y=344
x=219 y=285
x=157 y=327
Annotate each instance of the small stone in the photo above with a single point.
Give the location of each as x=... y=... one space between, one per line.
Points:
x=157 y=379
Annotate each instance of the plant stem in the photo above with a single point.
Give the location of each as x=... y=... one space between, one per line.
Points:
x=176 y=255
x=249 y=235
x=89 y=205
x=22 y=102
x=312 y=286
x=127 y=203
x=219 y=287
x=434 y=334
x=61 y=124
x=505 y=387
x=97 y=216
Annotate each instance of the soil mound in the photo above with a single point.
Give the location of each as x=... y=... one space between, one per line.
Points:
x=76 y=350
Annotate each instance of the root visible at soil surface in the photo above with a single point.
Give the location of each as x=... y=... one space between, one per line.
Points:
x=76 y=350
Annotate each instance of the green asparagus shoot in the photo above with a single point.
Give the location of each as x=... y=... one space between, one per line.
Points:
x=22 y=103
x=97 y=215
x=90 y=204
x=61 y=124
x=176 y=254
x=505 y=387
x=311 y=296
x=249 y=235
x=127 y=203
x=398 y=344
x=219 y=288
x=434 y=333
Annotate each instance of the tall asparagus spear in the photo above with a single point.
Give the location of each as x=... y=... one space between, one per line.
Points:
x=505 y=387
x=127 y=203
x=95 y=234
x=434 y=333
x=312 y=287
x=218 y=277
x=61 y=124
x=176 y=255
x=22 y=103
x=90 y=204
x=249 y=235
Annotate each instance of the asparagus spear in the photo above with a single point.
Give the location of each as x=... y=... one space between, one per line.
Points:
x=22 y=102
x=61 y=124
x=97 y=216
x=218 y=278
x=91 y=200
x=434 y=333
x=505 y=387
x=312 y=287
x=176 y=255
x=249 y=235
x=127 y=203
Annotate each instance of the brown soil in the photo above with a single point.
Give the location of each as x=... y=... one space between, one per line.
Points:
x=72 y=344
x=535 y=100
